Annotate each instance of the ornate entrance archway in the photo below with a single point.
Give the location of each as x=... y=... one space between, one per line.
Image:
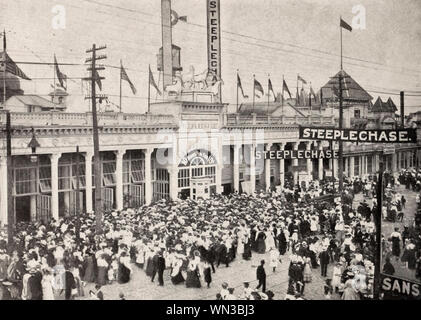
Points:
x=196 y=164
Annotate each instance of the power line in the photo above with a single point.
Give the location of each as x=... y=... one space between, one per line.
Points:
x=253 y=38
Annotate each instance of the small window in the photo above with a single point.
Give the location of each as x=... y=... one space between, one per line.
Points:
x=357 y=114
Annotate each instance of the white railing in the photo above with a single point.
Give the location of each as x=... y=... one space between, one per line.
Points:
x=83 y=119
x=253 y=119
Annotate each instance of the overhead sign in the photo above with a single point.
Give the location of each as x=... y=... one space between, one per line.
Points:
x=214 y=36
x=198 y=157
x=400 y=287
x=390 y=150
x=351 y=135
x=296 y=154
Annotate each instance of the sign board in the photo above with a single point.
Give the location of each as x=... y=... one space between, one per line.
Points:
x=390 y=150
x=396 y=287
x=198 y=157
x=351 y=135
x=296 y=154
x=214 y=36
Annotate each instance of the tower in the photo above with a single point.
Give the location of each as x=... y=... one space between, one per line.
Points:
x=166 y=43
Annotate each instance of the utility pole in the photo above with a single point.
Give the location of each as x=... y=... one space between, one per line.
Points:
x=77 y=197
x=341 y=80
x=10 y=204
x=96 y=79
x=378 y=222
x=341 y=148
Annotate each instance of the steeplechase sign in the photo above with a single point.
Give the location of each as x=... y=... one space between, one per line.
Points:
x=408 y=135
x=296 y=154
x=214 y=36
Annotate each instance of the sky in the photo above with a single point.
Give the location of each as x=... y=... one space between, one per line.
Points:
x=280 y=38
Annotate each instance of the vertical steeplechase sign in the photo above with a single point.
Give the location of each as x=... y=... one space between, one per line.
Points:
x=214 y=36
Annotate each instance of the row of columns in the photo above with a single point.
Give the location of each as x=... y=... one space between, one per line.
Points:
x=88 y=178
x=54 y=159
x=267 y=147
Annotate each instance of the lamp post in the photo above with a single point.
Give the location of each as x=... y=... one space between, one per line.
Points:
x=33 y=144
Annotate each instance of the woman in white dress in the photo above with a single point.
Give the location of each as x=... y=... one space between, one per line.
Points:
x=274 y=258
x=240 y=243
x=47 y=285
x=270 y=240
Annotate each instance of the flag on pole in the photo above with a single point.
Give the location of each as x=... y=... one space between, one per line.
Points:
x=125 y=77
x=345 y=25
x=259 y=88
x=270 y=88
x=301 y=79
x=285 y=88
x=152 y=82
x=60 y=76
x=312 y=92
x=303 y=98
x=4 y=40
x=241 y=87
x=175 y=18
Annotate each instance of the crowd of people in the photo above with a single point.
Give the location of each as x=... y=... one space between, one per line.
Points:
x=192 y=239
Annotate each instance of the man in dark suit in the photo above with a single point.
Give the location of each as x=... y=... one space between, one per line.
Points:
x=324 y=261
x=261 y=276
x=155 y=266
x=161 y=268
x=34 y=285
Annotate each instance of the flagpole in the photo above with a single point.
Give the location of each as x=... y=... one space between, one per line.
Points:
x=121 y=87
x=54 y=84
x=254 y=88
x=149 y=89
x=283 y=81
x=267 y=111
x=5 y=67
x=237 y=88
x=341 y=44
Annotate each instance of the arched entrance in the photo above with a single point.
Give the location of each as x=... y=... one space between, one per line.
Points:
x=196 y=164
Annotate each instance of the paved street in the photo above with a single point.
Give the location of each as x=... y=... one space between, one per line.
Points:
x=140 y=286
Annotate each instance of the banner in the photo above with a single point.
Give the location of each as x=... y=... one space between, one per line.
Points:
x=297 y=154
x=214 y=37
x=351 y=135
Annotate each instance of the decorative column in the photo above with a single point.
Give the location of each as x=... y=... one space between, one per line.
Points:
x=351 y=166
x=33 y=198
x=295 y=162
x=267 y=167
x=173 y=183
x=320 y=163
x=119 y=154
x=148 y=176
x=394 y=162
x=309 y=163
x=282 y=167
x=3 y=191
x=88 y=181
x=173 y=171
x=219 y=166
x=54 y=158
x=236 y=166
x=252 y=168
x=376 y=163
